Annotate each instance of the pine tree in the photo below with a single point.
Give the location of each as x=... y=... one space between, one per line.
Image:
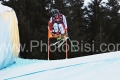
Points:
x=96 y=21
x=112 y=27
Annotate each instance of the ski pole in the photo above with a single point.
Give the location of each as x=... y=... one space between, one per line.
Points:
x=71 y=42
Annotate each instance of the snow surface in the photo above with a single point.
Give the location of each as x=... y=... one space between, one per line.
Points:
x=89 y=1
x=96 y=67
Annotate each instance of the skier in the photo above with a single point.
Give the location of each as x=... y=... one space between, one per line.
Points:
x=58 y=23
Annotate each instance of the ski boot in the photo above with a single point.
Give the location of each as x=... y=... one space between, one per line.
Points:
x=62 y=37
x=59 y=37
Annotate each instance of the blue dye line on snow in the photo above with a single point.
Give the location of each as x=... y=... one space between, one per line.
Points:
x=55 y=69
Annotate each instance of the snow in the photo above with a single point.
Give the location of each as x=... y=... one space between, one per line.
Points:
x=96 y=67
x=89 y=1
x=4 y=8
x=9 y=36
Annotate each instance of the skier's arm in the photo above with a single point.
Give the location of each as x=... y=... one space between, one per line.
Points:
x=50 y=23
x=51 y=20
x=65 y=22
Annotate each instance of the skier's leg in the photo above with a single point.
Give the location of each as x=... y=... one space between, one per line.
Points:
x=62 y=31
x=55 y=26
x=56 y=29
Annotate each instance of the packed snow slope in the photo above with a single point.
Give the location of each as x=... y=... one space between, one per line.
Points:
x=95 y=67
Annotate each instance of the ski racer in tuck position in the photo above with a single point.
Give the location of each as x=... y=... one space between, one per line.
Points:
x=58 y=24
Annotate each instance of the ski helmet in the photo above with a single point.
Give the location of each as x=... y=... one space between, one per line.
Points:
x=55 y=12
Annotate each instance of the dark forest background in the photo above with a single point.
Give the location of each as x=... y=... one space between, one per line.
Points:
x=98 y=22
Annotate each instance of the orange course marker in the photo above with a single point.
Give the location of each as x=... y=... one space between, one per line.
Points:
x=53 y=36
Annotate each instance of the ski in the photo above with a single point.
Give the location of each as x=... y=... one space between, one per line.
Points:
x=53 y=44
x=62 y=42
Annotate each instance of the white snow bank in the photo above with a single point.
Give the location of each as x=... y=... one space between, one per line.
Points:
x=95 y=67
x=4 y=8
